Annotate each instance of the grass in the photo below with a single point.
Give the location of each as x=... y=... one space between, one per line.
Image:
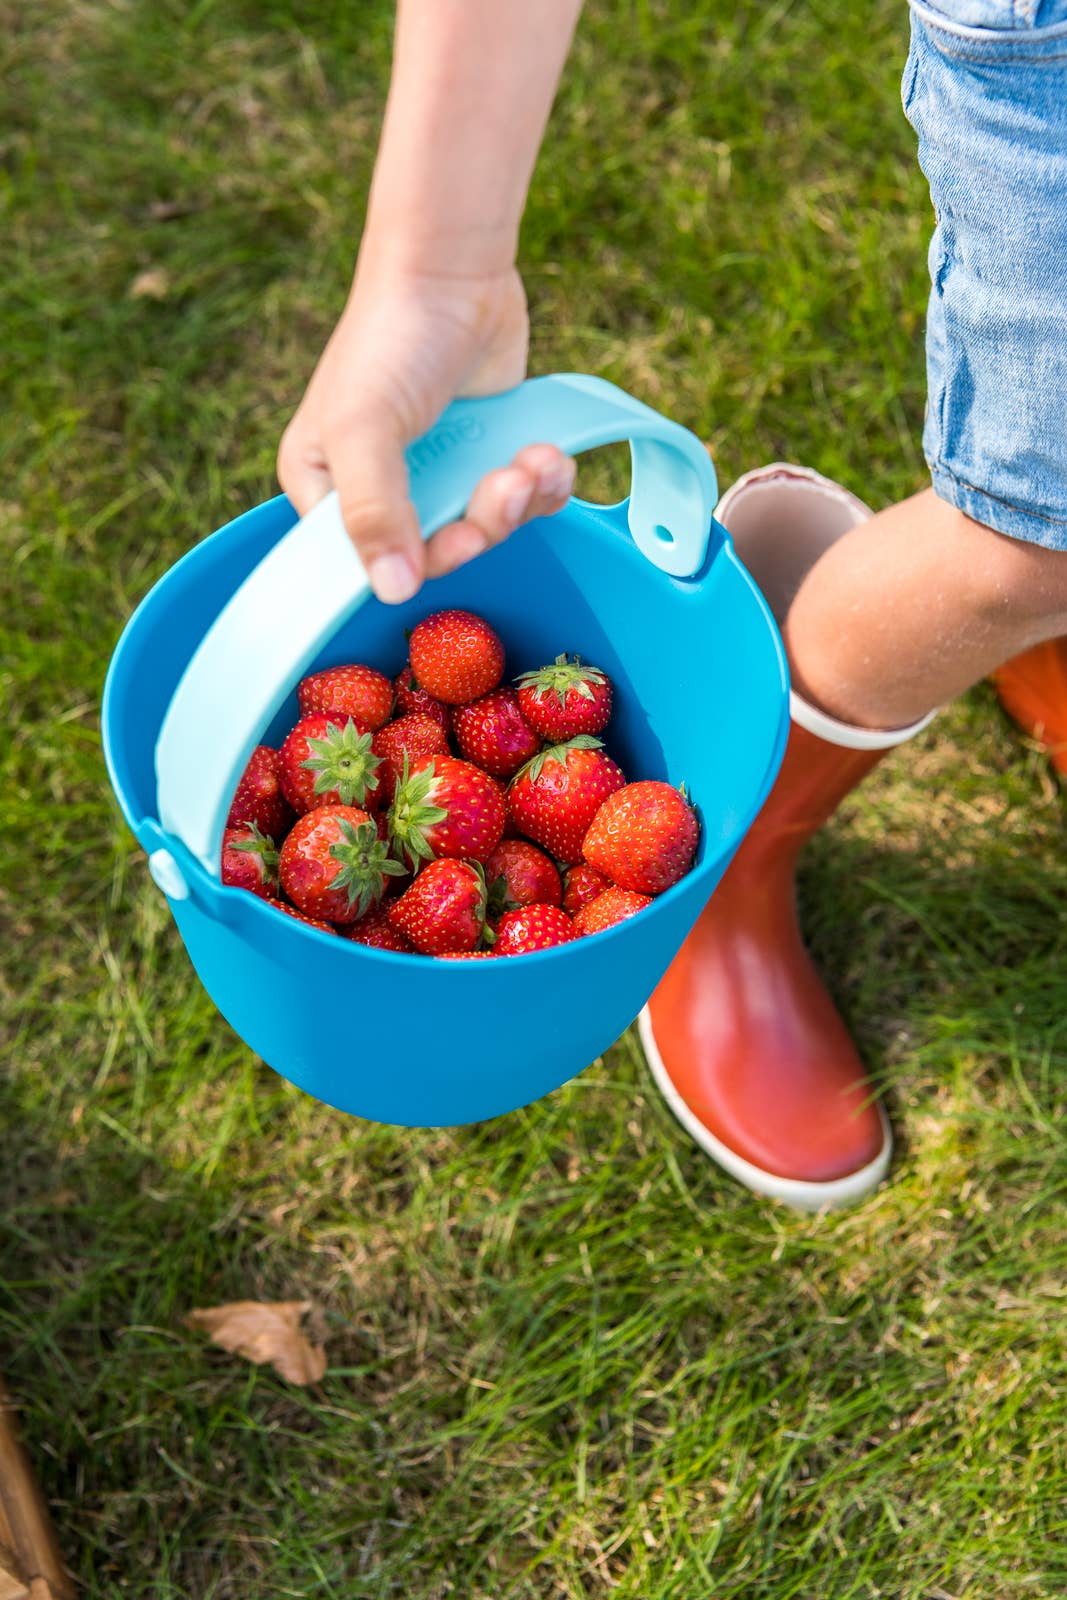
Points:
x=567 y=1357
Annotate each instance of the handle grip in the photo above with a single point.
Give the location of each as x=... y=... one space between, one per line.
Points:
x=312 y=580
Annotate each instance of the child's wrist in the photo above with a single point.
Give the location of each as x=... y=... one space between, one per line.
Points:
x=400 y=246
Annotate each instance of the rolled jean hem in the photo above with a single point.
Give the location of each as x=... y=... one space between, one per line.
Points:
x=1001 y=515
x=1046 y=41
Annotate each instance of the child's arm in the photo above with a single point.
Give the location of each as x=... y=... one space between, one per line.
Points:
x=437 y=309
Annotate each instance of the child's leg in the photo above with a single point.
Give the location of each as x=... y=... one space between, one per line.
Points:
x=885 y=619
x=906 y=611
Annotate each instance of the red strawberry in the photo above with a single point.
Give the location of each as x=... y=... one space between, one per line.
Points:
x=445 y=807
x=510 y=830
x=565 y=699
x=518 y=874
x=333 y=864
x=250 y=861
x=444 y=910
x=328 y=761
x=456 y=656
x=643 y=837
x=409 y=697
x=312 y=922
x=613 y=906
x=581 y=884
x=556 y=796
x=413 y=737
x=532 y=927
x=354 y=691
x=491 y=732
x=378 y=932
x=258 y=797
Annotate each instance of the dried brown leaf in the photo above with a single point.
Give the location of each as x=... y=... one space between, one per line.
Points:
x=170 y=210
x=152 y=284
x=265 y=1332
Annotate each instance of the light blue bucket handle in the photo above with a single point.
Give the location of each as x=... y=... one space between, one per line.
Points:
x=312 y=581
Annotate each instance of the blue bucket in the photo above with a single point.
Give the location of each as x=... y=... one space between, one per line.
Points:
x=650 y=590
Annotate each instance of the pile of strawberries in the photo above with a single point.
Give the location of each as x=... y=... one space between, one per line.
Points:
x=366 y=824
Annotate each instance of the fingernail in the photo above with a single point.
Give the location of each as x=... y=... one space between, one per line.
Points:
x=558 y=482
x=516 y=504
x=393 y=578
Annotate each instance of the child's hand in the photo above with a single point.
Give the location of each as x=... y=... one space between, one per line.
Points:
x=407 y=344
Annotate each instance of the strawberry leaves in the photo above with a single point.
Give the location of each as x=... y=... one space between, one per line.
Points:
x=563 y=677
x=364 y=864
x=343 y=764
x=413 y=812
x=558 y=753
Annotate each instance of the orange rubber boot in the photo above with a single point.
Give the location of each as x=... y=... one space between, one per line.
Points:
x=741 y=1036
x=1033 y=691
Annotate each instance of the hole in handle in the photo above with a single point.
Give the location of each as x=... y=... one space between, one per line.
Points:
x=604 y=475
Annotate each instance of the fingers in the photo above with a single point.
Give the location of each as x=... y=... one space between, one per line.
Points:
x=365 y=463
x=538 y=483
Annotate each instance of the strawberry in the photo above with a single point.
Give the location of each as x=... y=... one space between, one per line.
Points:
x=258 y=797
x=582 y=883
x=613 y=906
x=328 y=761
x=445 y=807
x=555 y=797
x=456 y=656
x=333 y=864
x=465 y=955
x=358 y=692
x=444 y=910
x=412 y=737
x=378 y=932
x=491 y=732
x=250 y=861
x=643 y=837
x=409 y=697
x=565 y=699
x=518 y=874
x=533 y=927
x=312 y=922
x=510 y=830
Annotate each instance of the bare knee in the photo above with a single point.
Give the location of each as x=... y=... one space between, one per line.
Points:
x=1010 y=579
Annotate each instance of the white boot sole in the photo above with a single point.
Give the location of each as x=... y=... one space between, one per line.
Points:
x=796 y=1192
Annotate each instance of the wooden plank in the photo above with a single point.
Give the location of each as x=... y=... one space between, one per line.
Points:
x=13 y=1584
x=25 y=1527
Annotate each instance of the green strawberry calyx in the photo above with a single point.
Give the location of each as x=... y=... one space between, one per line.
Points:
x=364 y=864
x=498 y=900
x=413 y=812
x=257 y=843
x=557 y=752
x=563 y=678
x=343 y=761
x=481 y=909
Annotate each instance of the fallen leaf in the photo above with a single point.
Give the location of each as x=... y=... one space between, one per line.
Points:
x=168 y=210
x=152 y=284
x=265 y=1331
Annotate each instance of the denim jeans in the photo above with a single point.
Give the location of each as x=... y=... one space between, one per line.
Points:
x=985 y=88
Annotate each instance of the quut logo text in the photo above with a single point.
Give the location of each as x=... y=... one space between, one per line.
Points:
x=433 y=445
